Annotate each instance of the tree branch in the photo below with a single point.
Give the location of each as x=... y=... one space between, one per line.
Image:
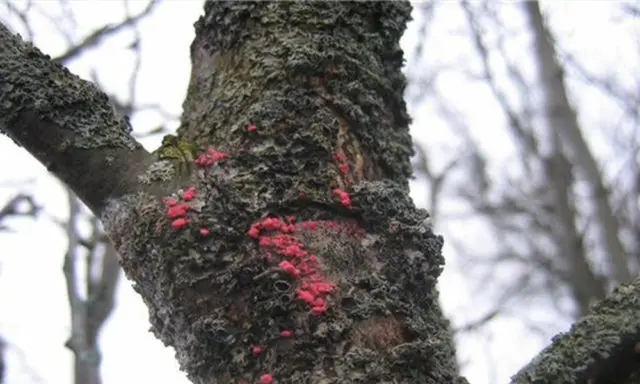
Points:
x=66 y=123
x=312 y=129
x=97 y=36
x=86 y=354
x=12 y=208
x=601 y=347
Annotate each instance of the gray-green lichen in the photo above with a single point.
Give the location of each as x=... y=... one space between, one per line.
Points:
x=313 y=77
x=386 y=284
x=67 y=124
x=339 y=62
x=159 y=171
x=31 y=82
x=599 y=348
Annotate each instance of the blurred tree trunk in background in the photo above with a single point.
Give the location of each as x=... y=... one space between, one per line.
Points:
x=569 y=143
x=565 y=217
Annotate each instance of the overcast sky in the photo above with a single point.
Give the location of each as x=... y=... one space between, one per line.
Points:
x=33 y=304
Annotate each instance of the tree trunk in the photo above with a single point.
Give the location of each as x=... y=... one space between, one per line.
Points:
x=309 y=267
x=298 y=255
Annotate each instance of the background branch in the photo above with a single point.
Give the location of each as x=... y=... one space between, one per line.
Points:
x=97 y=37
x=19 y=205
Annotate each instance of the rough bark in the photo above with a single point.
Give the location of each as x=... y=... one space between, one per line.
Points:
x=322 y=87
x=66 y=123
x=602 y=347
x=292 y=252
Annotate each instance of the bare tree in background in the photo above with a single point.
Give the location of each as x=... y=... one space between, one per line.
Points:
x=20 y=205
x=91 y=266
x=567 y=224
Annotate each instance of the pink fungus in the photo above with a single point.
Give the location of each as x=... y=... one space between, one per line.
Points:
x=302 y=266
x=340 y=157
x=305 y=269
x=285 y=333
x=322 y=288
x=189 y=194
x=204 y=232
x=254 y=232
x=256 y=350
x=310 y=225
x=176 y=211
x=271 y=224
x=266 y=378
x=345 y=200
x=305 y=296
x=289 y=269
x=318 y=309
x=178 y=223
x=252 y=128
x=210 y=157
x=264 y=242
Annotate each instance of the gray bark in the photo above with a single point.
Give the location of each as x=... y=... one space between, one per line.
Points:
x=53 y=115
x=602 y=347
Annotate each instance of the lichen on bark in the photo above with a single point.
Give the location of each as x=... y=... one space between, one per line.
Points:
x=289 y=250
x=66 y=123
x=601 y=347
x=303 y=73
x=214 y=297
x=308 y=227
x=47 y=89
